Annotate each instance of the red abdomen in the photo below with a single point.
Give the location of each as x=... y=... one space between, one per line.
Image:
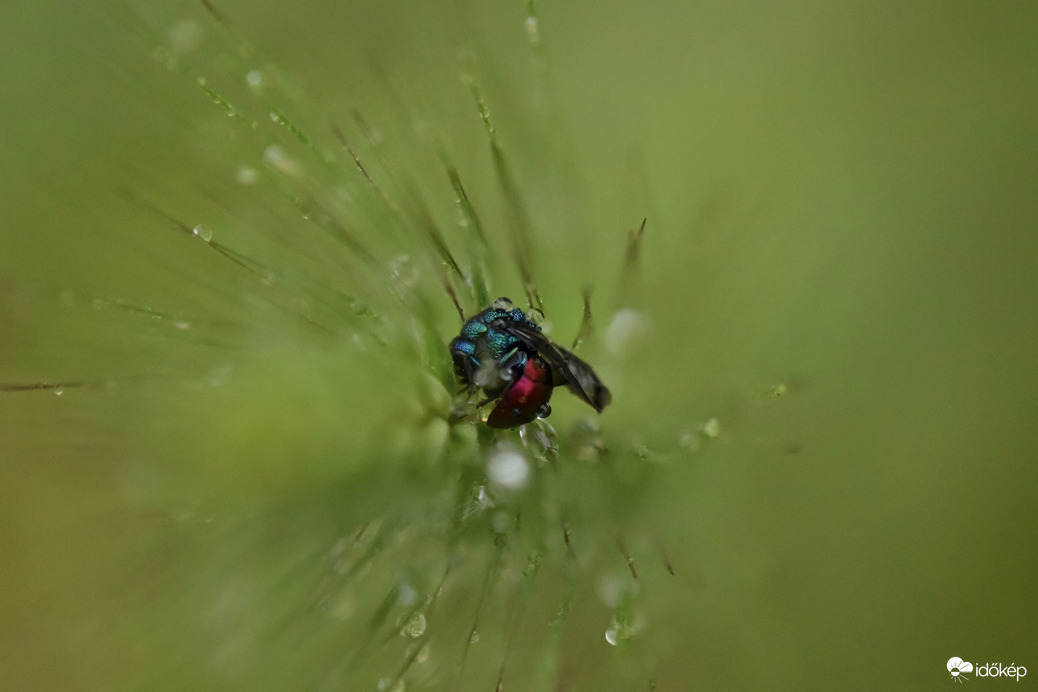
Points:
x=527 y=398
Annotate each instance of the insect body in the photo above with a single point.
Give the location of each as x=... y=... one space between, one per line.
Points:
x=501 y=352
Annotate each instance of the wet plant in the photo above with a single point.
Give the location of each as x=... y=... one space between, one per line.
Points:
x=278 y=394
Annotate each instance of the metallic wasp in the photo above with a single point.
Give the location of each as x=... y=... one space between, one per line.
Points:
x=501 y=352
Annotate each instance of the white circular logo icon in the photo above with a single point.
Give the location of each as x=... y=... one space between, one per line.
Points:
x=957 y=667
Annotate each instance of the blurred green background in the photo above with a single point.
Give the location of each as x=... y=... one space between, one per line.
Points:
x=841 y=201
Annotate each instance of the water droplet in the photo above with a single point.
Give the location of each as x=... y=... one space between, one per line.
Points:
x=625 y=331
x=254 y=78
x=403 y=271
x=690 y=442
x=247 y=175
x=387 y=685
x=501 y=521
x=609 y=588
x=202 y=232
x=219 y=375
x=586 y=439
x=508 y=469
x=540 y=437
x=406 y=594
x=341 y=609
x=618 y=632
x=474 y=638
x=415 y=626
x=483 y=499
x=184 y=36
x=276 y=158
x=532 y=30
x=58 y=391
x=712 y=428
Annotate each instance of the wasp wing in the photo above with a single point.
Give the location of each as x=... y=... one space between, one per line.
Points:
x=579 y=376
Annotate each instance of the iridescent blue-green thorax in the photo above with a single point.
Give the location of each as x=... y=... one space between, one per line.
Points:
x=498 y=342
x=484 y=344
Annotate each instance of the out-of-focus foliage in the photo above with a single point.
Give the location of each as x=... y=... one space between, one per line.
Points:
x=235 y=470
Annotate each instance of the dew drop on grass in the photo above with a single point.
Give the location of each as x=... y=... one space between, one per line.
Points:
x=184 y=37
x=609 y=589
x=406 y=594
x=276 y=158
x=403 y=271
x=540 y=438
x=625 y=331
x=501 y=521
x=415 y=626
x=508 y=469
x=202 y=232
x=219 y=375
x=387 y=685
x=254 y=78
x=532 y=29
x=619 y=632
x=690 y=442
x=712 y=428
x=247 y=175
x=483 y=499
